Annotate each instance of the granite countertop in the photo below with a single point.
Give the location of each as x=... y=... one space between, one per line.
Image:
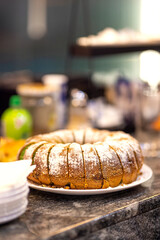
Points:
x=53 y=216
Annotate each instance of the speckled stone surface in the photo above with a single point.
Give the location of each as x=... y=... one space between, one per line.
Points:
x=110 y=216
x=143 y=226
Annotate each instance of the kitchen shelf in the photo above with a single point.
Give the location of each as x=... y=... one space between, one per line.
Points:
x=95 y=51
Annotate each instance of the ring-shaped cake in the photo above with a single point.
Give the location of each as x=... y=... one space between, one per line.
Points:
x=83 y=159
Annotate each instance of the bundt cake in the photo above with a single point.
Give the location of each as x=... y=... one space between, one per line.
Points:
x=83 y=159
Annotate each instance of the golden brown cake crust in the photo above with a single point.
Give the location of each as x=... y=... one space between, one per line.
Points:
x=76 y=166
x=83 y=159
x=111 y=166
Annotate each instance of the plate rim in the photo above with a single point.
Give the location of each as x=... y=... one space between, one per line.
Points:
x=145 y=169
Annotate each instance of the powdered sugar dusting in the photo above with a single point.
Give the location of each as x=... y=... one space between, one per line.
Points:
x=93 y=173
x=79 y=136
x=104 y=152
x=122 y=153
x=75 y=161
x=96 y=137
x=129 y=150
x=111 y=166
x=53 y=137
x=92 y=165
x=65 y=135
x=89 y=134
x=136 y=148
x=58 y=160
x=89 y=154
x=41 y=155
x=117 y=136
x=30 y=150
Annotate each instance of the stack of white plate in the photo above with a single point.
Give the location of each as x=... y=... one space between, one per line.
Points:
x=14 y=196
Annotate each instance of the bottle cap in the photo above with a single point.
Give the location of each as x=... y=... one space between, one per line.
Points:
x=15 y=101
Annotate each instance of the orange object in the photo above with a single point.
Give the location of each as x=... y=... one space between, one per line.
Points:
x=156 y=124
x=9 y=149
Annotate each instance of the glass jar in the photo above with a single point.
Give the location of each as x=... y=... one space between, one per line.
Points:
x=59 y=83
x=39 y=101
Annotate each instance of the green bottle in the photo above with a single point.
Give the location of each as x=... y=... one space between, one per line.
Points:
x=16 y=121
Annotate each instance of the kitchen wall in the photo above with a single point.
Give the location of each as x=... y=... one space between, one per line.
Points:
x=49 y=54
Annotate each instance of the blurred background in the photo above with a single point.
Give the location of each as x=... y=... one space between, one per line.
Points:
x=35 y=35
x=91 y=53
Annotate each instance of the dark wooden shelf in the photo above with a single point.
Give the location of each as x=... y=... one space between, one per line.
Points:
x=93 y=51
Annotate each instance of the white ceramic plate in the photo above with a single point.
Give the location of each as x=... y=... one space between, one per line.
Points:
x=13 y=216
x=145 y=176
